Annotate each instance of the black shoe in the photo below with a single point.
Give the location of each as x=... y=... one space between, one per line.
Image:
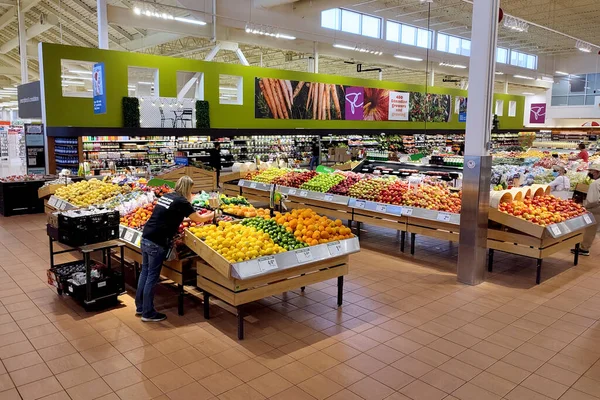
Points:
x=581 y=252
x=156 y=318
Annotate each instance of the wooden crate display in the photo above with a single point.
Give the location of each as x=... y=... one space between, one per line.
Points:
x=47 y=191
x=513 y=242
x=231 y=189
x=435 y=229
x=379 y=219
x=203 y=179
x=516 y=223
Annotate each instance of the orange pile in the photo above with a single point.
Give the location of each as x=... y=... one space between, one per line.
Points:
x=311 y=228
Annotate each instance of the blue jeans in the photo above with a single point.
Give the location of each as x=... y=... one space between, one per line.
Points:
x=153 y=256
x=313 y=162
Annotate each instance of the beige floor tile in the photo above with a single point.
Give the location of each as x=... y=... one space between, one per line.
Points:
x=89 y=390
x=419 y=390
x=30 y=374
x=468 y=391
x=343 y=375
x=319 y=361
x=145 y=390
x=192 y=391
x=587 y=385
x=295 y=393
x=10 y=394
x=229 y=358
x=22 y=361
x=558 y=374
x=172 y=380
x=66 y=363
x=320 y=387
x=365 y=364
x=271 y=384
x=509 y=372
x=123 y=378
x=40 y=388
x=442 y=380
x=156 y=366
x=493 y=383
x=392 y=377
x=573 y=394
x=523 y=361
x=371 y=389
x=242 y=392
x=6 y=382
x=221 y=382
x=295 y=372
x=545 y=386
x=201 y=369
x=111 y=364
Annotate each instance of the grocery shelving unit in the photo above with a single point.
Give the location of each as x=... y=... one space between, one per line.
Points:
x=67 y=154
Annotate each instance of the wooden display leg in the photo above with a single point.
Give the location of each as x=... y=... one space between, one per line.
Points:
x=240 y=323
x=576 y=257
x=402 y=239
x=413 y=236
x=180 y=300
x=340 y=296
x=358 y=224
x=490 y=259
x=539 y=271
x=206 y=305
x=302 y=288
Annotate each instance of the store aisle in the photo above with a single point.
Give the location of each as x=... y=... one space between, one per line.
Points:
x=407 y=330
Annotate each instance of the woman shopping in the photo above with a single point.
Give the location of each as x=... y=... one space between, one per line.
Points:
x=561 y=185
x=157 y=238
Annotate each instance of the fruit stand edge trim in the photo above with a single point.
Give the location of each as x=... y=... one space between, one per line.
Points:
x=78 y=112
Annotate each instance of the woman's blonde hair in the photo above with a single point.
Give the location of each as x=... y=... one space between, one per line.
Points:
x=184 y=186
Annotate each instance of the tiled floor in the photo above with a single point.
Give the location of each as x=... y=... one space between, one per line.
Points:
x=407 y=330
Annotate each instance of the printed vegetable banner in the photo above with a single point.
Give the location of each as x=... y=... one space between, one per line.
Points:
x=286 y=99
x=429 y=107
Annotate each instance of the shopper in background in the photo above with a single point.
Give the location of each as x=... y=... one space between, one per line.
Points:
x=215 y=160
x=592 y=204
x=582 y=155
x=461 y=150
x=561 y=185
x=157 y=238
x=314 y=160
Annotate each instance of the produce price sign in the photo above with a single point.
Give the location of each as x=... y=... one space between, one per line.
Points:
x=587 y=219
x=334 y=248
x=407 y=211
x=267 y=263
x=304 y=255
x=444 y=217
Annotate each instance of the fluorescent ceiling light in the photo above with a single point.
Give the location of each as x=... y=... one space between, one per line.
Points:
x=529 y=94
x=359 y=49
x=73 y=83
x=343 y=46
x=80 y=71
x=189 y=21
x=451 y=65
x=267 y=31
x=515 y=24
x=85 y=78
x=408 y=58
x=524 y=77
x=546 y=79
x=137 y=11
x=227 y=88
x=499 y=73
x=583 y=46
x=10 y=89
x=145 y=83
x=561 y=73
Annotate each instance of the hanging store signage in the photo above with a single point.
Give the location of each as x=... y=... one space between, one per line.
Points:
x=99 y=88
x=537 y=113
x=35 y=149
x=29 y=99
x=398 y=106
x=288 y=99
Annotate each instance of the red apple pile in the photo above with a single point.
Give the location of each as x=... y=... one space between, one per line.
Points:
x=543 y=210
x=368 y=189
x=393 y=194
x=433 y=197
x=294 y=179
x=187 y=223
x=343 y=187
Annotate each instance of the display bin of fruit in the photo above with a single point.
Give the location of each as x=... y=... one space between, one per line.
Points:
x=259 y=266
x=536 y=227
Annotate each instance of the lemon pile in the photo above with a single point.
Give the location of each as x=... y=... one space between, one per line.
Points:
x=236 y=242
x=86 y=193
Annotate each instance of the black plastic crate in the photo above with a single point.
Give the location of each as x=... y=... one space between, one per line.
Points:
x=74 y=224
x=111 y=232
x=113 y=218
x=100 y=288
x=59 y=275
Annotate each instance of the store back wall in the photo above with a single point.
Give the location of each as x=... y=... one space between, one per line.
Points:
x=78 y=112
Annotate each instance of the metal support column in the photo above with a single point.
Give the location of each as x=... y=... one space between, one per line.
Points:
x=472 y=249
x=431 y=75
x=316 y=58
x=22 y=43
x=102 y=24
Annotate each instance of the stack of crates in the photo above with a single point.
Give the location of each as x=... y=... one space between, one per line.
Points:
x=87 y=226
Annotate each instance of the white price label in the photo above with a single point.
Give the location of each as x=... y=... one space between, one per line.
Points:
x=253 y=185
x=587 y=219
x=303 y=193
x=361 y=204
x=101 y=284
x=555 y=230
x=267 y=263
x=304 y=255
x=444 y=217
x=241 y=182
x=128 y=236
x=52 y=201
x=292 y=192
x=335 y=248
x=381 y=208
x=328 y=197
x=407 y=211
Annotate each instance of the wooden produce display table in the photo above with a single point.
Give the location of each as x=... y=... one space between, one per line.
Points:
x=203 y=179
x=178 y=271
x=241 y=283
x=517 y=236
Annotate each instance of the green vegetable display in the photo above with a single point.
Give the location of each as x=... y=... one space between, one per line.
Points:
x=278 y=233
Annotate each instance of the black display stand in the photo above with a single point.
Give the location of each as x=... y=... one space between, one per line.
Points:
x=20 y=198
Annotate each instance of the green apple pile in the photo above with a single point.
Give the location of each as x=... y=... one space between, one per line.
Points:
x=322 y=182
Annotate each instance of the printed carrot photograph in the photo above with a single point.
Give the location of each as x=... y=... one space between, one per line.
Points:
x=288 y=99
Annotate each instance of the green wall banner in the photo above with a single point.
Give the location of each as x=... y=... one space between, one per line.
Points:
x=254 y=111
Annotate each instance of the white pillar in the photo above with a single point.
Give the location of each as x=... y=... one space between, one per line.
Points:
x=316 y=58
x=22 y=43
x=506 y=86
x=102 y=24
x=477 y=166
x=431 y=76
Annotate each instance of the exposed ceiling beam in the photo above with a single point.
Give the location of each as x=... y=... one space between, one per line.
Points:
x=31 y=32
x=150 y=41
x=11 y=3
x=92 y=10
x=10 y=71
x=10 y=15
